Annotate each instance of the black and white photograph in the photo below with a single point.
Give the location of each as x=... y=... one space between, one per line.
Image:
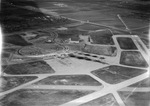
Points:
x=75 y=52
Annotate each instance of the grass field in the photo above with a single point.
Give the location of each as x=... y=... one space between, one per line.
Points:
x=12 y=82
x=143 y=83
x=117 y=74
x=135 y=98
x=107 y=100
x=135 y=13
x=89 y=27
x=126 y=43
x=133 y=58
x=41 y=97
x=102 y=37
x=100 y=50
x=80 y=80
x=38 y=67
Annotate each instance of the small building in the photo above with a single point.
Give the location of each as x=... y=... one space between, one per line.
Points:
x=74 y=40
x=62 y=28
x=85 y=38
